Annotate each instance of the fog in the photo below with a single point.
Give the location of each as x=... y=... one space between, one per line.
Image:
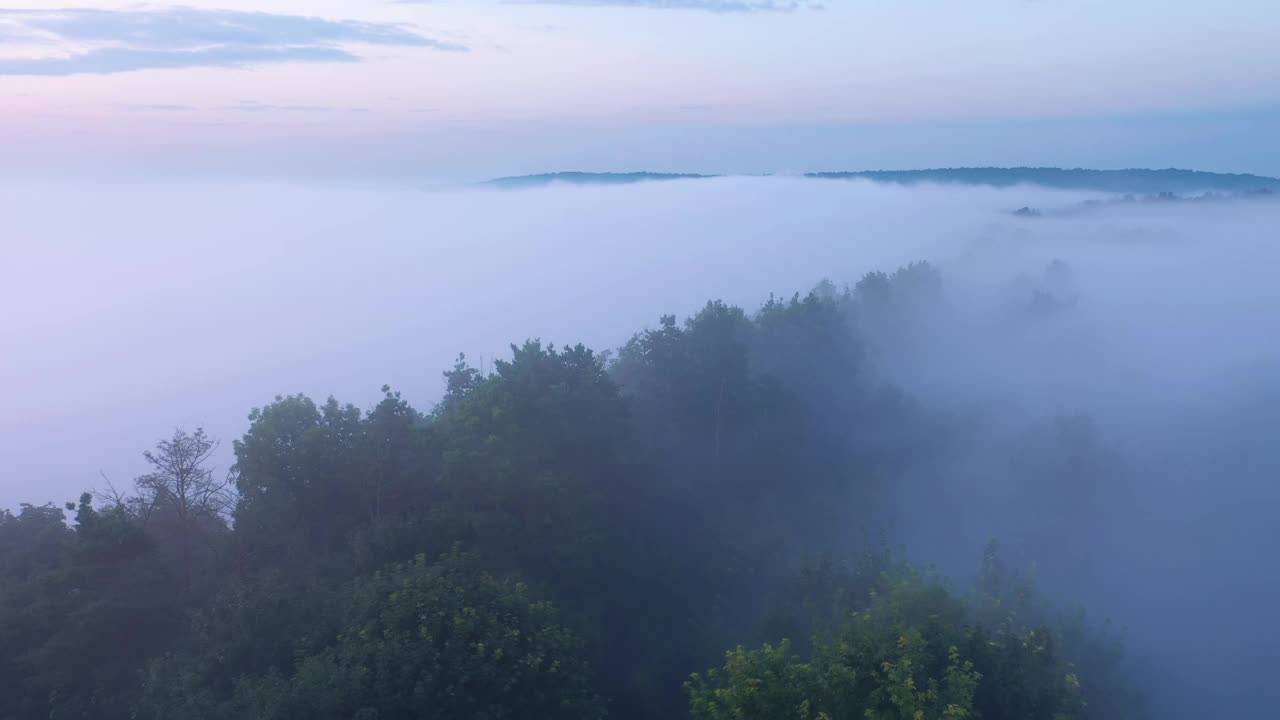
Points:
x=132 y=309
x=135 y=308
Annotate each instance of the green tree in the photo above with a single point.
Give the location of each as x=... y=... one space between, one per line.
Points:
x=915 y=651
x=33 y=544
x=89 y=624
x=441 y=640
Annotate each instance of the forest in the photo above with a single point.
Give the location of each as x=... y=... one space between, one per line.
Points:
x=705 y=523
x=1134 y=180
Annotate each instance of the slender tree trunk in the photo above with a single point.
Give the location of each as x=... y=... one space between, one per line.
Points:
x=719 y=404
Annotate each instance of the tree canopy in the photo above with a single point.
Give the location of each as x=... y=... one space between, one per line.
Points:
x=570 y=535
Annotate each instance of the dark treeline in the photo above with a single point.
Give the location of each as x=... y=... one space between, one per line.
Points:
x=692 y=526
x=1136 y=180
x=1132 y=180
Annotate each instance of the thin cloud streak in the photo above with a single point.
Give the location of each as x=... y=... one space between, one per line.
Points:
x=157 y=107
x=263 y=107
x=118 y=60
x=715 y=6
x=131 y=40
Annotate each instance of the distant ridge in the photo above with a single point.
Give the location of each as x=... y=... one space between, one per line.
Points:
x=586 y=178
x=1117 y=181
x=1113 y=181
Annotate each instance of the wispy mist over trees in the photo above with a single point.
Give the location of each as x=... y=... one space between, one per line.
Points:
x=567 y=534
x=766 y=504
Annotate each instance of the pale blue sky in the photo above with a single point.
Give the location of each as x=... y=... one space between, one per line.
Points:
x=460 y=89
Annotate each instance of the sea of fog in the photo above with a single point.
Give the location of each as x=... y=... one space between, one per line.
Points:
x=131 y=309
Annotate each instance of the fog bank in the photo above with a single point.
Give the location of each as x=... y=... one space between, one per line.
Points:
x=132 y=309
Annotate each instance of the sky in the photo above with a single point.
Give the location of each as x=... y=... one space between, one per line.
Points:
x=457 y=90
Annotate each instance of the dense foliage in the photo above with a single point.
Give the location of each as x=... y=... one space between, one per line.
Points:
x=568 y=536
x=915 y=650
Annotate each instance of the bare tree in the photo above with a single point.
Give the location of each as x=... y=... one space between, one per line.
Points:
x=113 y=497
x=182 y=480
x=182 y=492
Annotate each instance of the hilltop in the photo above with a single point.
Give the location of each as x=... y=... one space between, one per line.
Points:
x=1119 y=181
x=587 y=178
x=1140 y=181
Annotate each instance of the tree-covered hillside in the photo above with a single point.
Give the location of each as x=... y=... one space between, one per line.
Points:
x=1115 y=181
x=571 y=535
x=1138 y=181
